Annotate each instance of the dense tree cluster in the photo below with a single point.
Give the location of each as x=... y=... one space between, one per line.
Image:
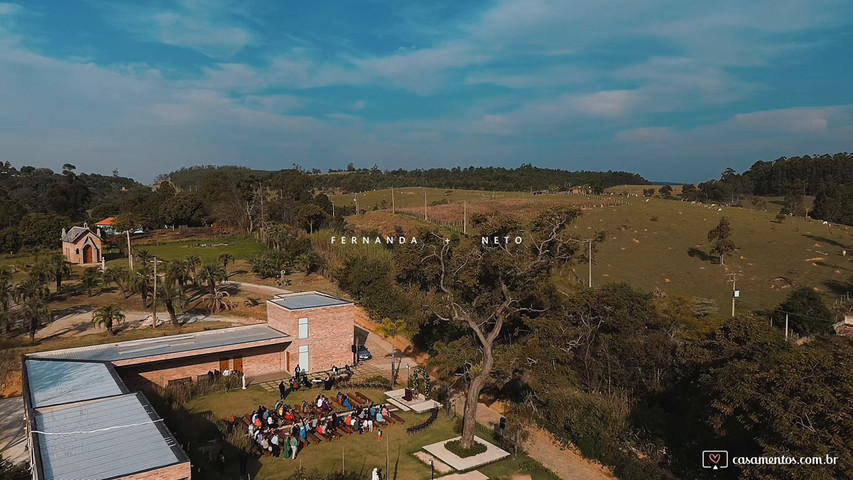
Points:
x=524 y=178
x=827 y=177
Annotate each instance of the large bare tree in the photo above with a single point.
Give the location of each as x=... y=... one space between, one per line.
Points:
x=483 y=287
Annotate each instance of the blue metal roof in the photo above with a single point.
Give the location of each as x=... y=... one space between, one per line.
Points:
x=53 y=382
x=102 y=439
x=297 y=301
x=114 y=352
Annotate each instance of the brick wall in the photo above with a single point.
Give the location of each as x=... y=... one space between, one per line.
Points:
x=174 y=472
x=256 y=361
x=330 y=334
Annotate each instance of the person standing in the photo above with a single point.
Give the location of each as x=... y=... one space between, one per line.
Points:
x=282 y=390
x=294 y=446
x=296 y=372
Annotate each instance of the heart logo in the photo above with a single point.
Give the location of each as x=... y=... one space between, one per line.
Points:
x=714 y=457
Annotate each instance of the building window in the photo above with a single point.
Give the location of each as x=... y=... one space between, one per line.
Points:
x=303 y=328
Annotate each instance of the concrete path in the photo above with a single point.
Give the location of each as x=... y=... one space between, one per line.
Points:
x=12 y=433
x=256 y=288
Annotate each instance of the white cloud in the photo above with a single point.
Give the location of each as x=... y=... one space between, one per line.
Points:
x=610 y=103
x=792 y=120
x=213 y=28
x=644 y=134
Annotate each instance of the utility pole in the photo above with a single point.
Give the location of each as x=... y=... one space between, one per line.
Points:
x=735 y=292
x=333 y=208
x=425 y=206
x=129 y=251
x=590 y=263
x=393 y=206
x=786 y=327
x=464 y=218
x=154 y=303
x=355 y=199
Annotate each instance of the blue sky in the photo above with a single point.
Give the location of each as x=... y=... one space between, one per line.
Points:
x=673 y=90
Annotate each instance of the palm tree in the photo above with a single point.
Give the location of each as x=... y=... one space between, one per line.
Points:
x=7 y=293
x=225 y=259
x=35 y=312
x=57 y=268
x=390 y=329
x=92 y=277
x=119 y=276
x=211 y=274
x=32 y=287
x=171 y=297
x=144 y=256
x=192 y=262
x=177 y=271
x=40 y=272
x=108 y=315
x=219 y=300
x=142 y=281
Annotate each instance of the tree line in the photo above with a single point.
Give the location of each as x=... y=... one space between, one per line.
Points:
x=826 y=177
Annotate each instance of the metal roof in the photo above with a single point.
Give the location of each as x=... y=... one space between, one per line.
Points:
x=102 y=439
x=297 y=301
x=74 y=232
x=53 y=382
x=114 y=352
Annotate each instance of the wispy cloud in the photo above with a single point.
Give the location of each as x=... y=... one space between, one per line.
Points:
x=216 y=28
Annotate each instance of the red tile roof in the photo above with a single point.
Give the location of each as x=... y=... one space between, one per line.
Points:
x=107 y=221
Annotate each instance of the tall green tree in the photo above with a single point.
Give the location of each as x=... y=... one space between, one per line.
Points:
x=225 y=259
x=806 y=311
x=720 y=239
x=35 y=312
x=483 y=288
x=108 y=316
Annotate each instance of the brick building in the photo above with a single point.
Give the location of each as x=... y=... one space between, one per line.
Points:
x=72 y=397
x=81 y=246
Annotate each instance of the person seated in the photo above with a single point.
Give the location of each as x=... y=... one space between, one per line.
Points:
x=339 y=396
x=334 y=370
x=330 y=426
x=371 y=411
x=294 y=429
x=325 y=406
x=356 y=425
x=303 y=431
x=347 y=370
x=294 y=384
x=319 y=401
x=289 y=415
x=270 y=422
x=304 y=408
x=380 y=418
x=346 y=403
x=384 y=411
x=321 y=429
x=265 y=446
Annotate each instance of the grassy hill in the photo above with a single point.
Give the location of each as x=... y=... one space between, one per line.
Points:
x=663 y=244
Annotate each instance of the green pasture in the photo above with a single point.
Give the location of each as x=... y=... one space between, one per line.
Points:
x=663 y=244
x=360 y=453
x=239 y=247
x=414 y=197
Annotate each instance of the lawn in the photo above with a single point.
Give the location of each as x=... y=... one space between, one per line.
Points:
x=360 y=453
x=408 y=197
x=239 y=247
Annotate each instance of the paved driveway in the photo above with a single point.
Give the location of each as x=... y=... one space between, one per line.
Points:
x=12 y=433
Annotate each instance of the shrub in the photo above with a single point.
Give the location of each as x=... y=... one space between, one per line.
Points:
x=456 y=447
